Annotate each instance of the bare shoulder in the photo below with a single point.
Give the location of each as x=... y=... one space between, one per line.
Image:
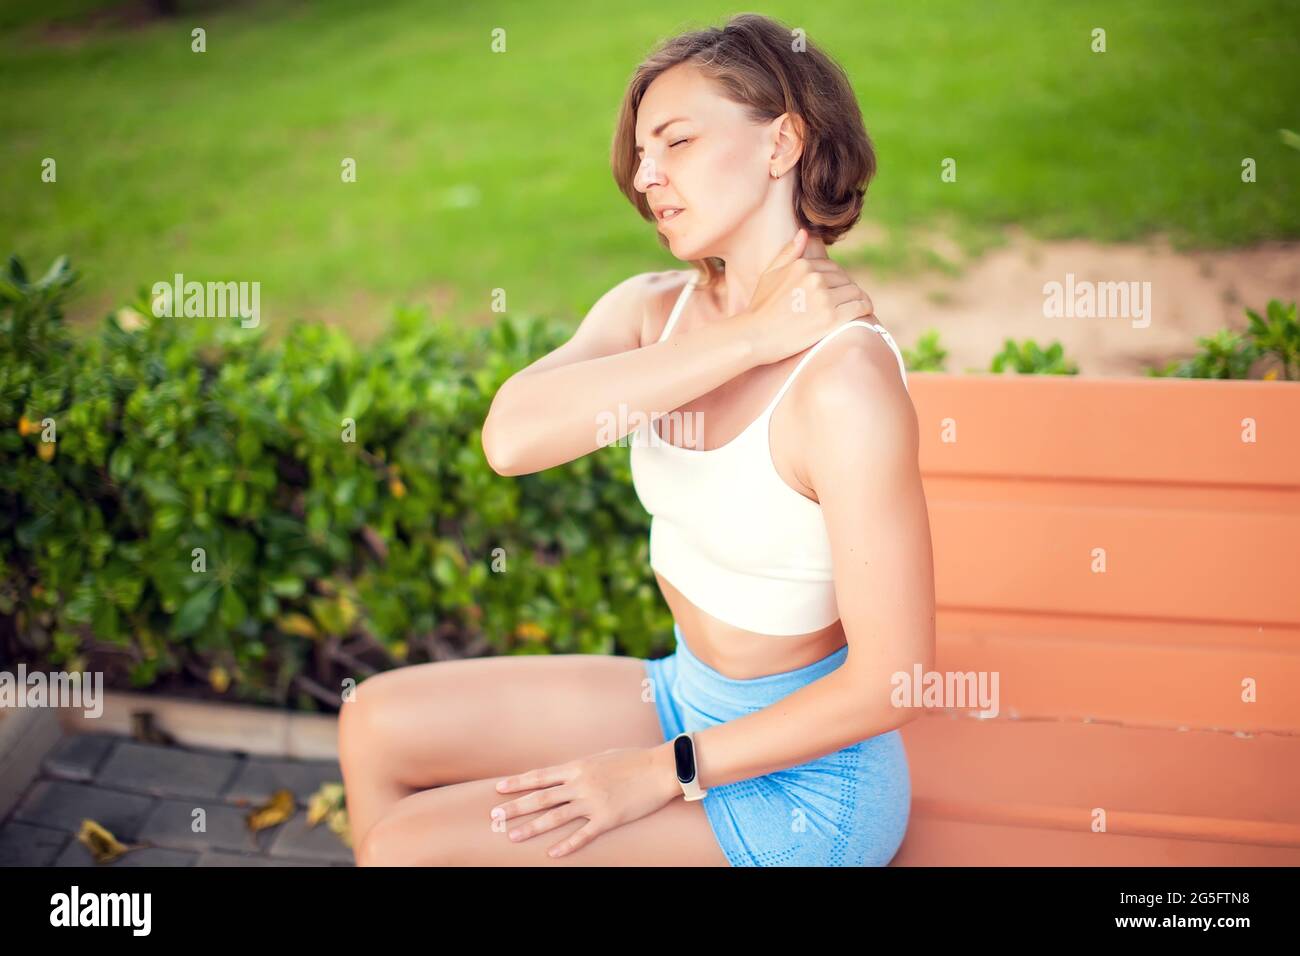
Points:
x=660 y=293
x=617 y=320
x=853 y=379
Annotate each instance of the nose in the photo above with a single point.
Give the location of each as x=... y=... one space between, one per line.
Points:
x=648 y=174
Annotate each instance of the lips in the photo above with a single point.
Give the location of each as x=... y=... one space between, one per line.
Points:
x=669 y=213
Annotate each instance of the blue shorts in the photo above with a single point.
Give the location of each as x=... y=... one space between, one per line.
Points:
x=847 y=808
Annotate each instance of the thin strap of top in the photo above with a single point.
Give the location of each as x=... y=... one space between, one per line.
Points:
x=681 y=304
x=884 y=333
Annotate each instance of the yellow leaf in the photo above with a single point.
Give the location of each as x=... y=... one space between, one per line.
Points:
x=338 y=824
x=272 y=813
x=400 y=649
x=295 y=623
x=324 y=802
x=25 y=427
x=129 y=320
x=219 y=678
x=46 y=450
x=530 y=631
x=396 y=488
x=103 y=846
x=1270 y=375
x=347 y=610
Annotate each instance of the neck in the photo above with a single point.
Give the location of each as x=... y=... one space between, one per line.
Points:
x=752 y=252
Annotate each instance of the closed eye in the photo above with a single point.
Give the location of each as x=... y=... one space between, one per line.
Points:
x=679 y=142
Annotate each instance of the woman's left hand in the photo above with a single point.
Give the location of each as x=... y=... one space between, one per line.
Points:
x=610 y=789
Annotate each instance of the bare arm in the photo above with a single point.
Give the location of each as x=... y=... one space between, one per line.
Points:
x=861 y=459
x=550 y=412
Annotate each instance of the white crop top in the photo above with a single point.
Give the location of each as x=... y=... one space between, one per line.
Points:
x=728 y=532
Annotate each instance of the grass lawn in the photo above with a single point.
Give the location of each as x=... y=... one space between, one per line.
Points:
x=478 y=170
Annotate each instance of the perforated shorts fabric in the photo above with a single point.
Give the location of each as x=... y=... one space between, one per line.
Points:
x=847 y=808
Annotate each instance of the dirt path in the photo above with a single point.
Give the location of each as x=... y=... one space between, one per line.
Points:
x=1001 y=295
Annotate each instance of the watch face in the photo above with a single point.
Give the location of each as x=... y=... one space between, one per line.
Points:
x=684 y=753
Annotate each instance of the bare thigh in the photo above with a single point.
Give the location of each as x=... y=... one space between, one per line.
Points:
x=454 y=722
x=451 y=826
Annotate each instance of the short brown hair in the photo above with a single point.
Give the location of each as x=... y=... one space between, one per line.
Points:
x=753 y=61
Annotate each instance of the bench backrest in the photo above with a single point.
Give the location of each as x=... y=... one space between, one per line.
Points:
x=1124 y=549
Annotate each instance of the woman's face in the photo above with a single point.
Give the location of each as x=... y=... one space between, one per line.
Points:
x=699 y=153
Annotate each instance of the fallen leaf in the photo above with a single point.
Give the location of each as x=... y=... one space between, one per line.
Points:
x=324 y=802
x=338 y=823
x=103 y=846
x=272 y=813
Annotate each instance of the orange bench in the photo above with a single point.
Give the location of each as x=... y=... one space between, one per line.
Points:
x=1130 y=568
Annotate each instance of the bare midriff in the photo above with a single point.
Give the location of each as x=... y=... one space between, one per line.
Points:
x=740 y=654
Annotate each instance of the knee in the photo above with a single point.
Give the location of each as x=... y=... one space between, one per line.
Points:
x=361 y=715
x=377 y=846
x=390 y=842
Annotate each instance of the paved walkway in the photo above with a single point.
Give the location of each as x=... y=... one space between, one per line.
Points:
x=147 y=794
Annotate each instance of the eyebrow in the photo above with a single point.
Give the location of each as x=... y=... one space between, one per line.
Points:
x=661 y=127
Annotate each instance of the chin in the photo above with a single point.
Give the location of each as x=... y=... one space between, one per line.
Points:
x=684 y=249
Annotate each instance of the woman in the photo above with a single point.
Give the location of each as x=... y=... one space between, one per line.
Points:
x=792 y=545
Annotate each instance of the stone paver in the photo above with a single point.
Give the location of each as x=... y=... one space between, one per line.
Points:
x=147 y=794
x=78 y=855
x=259 y=777
x=77 y=757
x=167 y=771
x=61 y=805
x=295 y=839
x=24 y=844
x=226 y=858
x=172 y=824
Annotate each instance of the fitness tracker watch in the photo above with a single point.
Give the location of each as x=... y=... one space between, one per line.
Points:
x=684 y=754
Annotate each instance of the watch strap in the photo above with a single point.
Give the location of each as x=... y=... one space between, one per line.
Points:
x=691 y=789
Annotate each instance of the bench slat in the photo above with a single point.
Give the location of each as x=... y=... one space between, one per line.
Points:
x=1163 y=430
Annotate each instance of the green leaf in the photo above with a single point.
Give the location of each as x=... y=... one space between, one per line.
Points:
x=234 y=612
x=196 y=610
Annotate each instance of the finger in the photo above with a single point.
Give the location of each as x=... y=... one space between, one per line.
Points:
x=537 y=800
x=532 y=779
x=847 y=292
x=547 y=821
x=828 y=266
x=575 y=841
x=791 y=251
x=835 y=278
x=856 y=308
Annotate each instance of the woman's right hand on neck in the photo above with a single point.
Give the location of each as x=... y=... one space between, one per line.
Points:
x=799 y=299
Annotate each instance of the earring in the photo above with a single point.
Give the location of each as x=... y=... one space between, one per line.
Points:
x=774 y=173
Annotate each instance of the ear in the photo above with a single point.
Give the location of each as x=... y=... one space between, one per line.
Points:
x=787 y=140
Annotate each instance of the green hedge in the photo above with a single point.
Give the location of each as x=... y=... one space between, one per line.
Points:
x=321 y=558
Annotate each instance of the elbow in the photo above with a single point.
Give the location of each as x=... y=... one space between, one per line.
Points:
x=498 y=458
x=496 y=451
